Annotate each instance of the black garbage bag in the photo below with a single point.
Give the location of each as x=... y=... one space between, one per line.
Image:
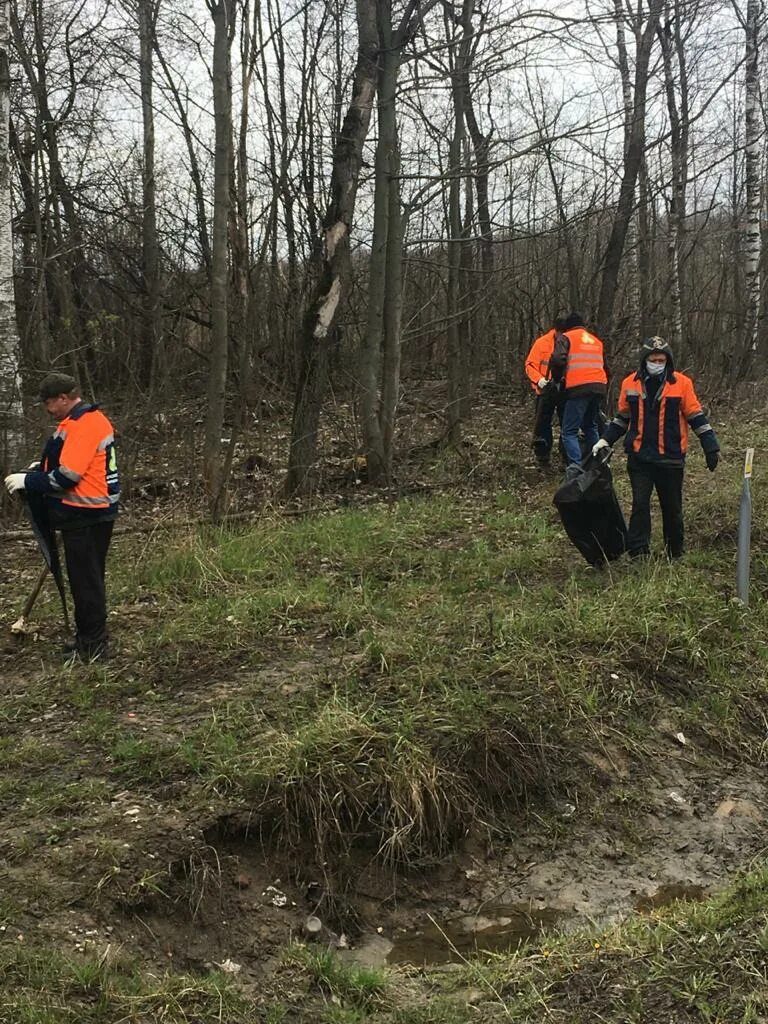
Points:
x=590 y=511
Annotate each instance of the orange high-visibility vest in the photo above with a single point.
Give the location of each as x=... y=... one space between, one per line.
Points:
x=586 y=363
x=80 y=460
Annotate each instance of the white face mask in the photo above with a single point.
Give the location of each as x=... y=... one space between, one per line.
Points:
x=655 y=369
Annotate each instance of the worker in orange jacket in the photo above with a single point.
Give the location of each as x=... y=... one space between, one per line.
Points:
x=657 y=407
x=77 y=475
x=547 y=392
x=578 y=360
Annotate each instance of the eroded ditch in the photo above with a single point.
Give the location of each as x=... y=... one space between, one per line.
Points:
x=690 y=838
x=234 y=899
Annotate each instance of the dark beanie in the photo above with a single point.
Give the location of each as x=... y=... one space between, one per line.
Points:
x=573 y=320
x=55 y=384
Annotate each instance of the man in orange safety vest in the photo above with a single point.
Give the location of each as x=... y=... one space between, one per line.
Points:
x=548 y=393
x=578 y=358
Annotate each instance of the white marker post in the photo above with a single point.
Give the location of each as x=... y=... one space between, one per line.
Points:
x=745 y=531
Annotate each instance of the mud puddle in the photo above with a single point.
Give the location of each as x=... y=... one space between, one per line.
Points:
x=498 y=930
x=667 y=894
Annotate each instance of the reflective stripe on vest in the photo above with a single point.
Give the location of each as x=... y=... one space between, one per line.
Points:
x=585 y=364
x=638 y=442
x=84 y=500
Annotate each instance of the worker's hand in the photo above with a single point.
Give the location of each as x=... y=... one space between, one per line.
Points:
x=597 y=448
x=33 y=466
x=542 y=383
x=712 y=460
x=15 y=482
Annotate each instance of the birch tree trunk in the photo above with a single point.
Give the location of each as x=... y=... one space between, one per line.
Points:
x=319 y=328
x=455 y=361
x=753 y=142
x=10 y=376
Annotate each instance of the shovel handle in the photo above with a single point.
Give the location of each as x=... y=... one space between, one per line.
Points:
x=29 y=603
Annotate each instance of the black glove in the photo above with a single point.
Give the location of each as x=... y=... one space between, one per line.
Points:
x=712 y=460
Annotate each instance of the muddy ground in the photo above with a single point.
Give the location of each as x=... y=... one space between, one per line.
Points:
x=176 y=882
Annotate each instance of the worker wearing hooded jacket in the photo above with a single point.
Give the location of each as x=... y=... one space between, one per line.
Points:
x=548 y=392
x=657 y=406
x=579 y=359
x=78 y=476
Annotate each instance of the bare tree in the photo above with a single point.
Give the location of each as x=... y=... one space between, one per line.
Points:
x=146 y=11
x=10 y=376
x=753 y=138
x=380 y=352
x=457 y=328
x=318 y=330
x=57 y=104
x=633 y=157
x=676 y=88
x=223 y=14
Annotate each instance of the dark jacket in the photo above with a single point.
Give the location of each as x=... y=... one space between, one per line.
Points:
x=656 y=414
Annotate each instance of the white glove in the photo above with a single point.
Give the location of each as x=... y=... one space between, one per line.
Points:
x=15 y=482
x=597 y=448
x=542 y=383
x=32 y=467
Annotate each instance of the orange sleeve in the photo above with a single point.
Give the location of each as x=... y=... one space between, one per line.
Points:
x=540 y=352
x=691 y=406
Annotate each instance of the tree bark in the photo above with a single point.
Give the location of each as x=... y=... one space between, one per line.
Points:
x=753 y=142
x=678 y=144
x=456 y=336
x=320 y=323
x=393 y=310
x=223 y=20
x=10 y=375
x=150 y=356
x=381 y=260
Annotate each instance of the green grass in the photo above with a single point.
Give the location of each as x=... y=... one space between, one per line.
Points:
x=44 y=987
x=397 y=675
x=388 y=679
x=356 y=988
x=460 y=658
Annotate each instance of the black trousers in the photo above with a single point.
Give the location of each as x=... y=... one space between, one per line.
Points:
x=549 y=402
x=668 y=483
x=85 y=550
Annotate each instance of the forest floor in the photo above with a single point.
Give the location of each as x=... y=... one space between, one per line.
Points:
x=489 y=772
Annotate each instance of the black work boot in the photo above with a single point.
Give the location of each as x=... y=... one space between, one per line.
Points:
x=93 y=652
x=86 y=653
x=541 y=451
